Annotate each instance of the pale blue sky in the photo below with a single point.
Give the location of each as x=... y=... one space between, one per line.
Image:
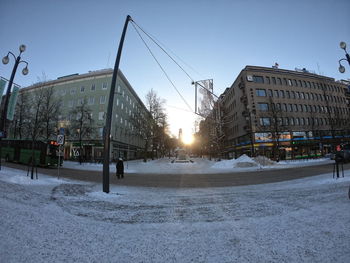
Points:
x=217 y=38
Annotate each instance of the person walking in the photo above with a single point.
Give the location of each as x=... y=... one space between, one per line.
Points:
x=120 y=168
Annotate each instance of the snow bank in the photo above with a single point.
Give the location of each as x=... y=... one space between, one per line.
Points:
x=241 y=162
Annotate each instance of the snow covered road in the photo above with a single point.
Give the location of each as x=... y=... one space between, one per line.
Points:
x=50 y=220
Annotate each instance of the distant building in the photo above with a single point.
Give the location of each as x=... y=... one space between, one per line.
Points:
x=94 y=87
x=283 y=114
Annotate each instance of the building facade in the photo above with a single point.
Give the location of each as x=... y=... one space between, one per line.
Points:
x=283 y=114
x=93 y=89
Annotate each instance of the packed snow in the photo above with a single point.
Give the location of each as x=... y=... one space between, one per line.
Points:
x=200 y=165
x=51 y=220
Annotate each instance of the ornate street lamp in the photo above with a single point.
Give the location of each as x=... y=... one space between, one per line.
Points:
x=5 y=60
x=341 y=67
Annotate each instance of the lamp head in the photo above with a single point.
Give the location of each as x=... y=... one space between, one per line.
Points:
x=22 y=48
x=25 y=71
x=341 y=69
x=5 y=60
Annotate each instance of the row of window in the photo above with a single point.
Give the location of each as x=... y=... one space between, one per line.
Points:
x=292 y=121
x=299 y=95
x=301 y=108
x=82 y=89
x=295 y=83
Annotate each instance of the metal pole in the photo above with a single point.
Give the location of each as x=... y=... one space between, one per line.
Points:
x=106 y=139
x=4 y=111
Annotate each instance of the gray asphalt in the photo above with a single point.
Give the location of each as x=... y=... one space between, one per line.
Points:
x=190 y=180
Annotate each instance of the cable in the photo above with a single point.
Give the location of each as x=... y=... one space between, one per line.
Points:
x=162 y=67
x=133 y=22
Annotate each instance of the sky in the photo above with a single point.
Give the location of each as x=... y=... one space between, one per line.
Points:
x=210 y=39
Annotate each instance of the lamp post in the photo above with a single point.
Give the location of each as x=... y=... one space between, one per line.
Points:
x=107 y=130
x=341 y=67
x=25 y=71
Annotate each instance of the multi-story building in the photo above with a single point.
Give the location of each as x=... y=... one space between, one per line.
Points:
x=284 y=113
x=94 y=88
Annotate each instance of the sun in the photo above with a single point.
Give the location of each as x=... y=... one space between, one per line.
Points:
x=187 y=139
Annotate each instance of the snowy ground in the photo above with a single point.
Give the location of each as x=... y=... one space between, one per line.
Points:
x=50 y=220
x=199 y=166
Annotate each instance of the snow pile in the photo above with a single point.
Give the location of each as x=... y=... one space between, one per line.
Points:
x=241 y=162
x=245 y=161
x=264 y=161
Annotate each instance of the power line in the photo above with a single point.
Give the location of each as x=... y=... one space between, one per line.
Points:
x=150 y=37
x=167 y=76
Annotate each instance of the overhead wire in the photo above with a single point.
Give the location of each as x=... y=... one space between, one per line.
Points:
x=167 y=76
x=155 y=42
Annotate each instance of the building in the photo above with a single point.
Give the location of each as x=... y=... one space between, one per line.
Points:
x=93 y=89
x=283 y=114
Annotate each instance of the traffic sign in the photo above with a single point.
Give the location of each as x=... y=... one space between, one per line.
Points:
x=60 y=139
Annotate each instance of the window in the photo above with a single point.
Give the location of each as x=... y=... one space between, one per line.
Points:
x=291 y=121
x=263 y=106
x=284 y=107
x=295 y=82
x=292 y=94
x=258 y=79
x=281 y=93
x=287 y=94
x=300 y=107
x=80 y=102
x=290 y=107
x=82 y=89
x=295 y=107
x=104 y=85
x=296 y=121
x=285 y=81
x=93 y=87
x=302 y=121
x=91 y=101
x=302 y=95
x=286 y=121
x=297 y=95
x=100 y=131
x=278 y=106
x=273 y=80
x=63 y=92
x=70 y=103
x=276 y=94
x=307 y=96
x=103 y=99
x=290 y=82
x=279 y=82
x=119 y=88
x=305 y=108
x=267 y=80
x=264 y=121
x=261 y=93
x=270 y=93
x=72 y=91
x=101 y=115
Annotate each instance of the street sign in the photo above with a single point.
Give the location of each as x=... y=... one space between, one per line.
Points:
x=61 y=131
x=60 y=139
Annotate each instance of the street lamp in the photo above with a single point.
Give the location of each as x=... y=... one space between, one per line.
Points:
x=341 y=67
x=5 y=60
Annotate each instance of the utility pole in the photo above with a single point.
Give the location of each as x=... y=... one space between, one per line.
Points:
x=107 y=130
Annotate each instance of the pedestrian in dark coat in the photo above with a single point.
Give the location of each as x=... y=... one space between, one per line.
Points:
x=120 y=168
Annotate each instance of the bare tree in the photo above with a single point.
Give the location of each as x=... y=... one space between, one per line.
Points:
x=142 y=123
x=155 y=105
x=34 y=124
x=50 y=112
x=81 y=125
x=21 y=115
x=274 y=120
